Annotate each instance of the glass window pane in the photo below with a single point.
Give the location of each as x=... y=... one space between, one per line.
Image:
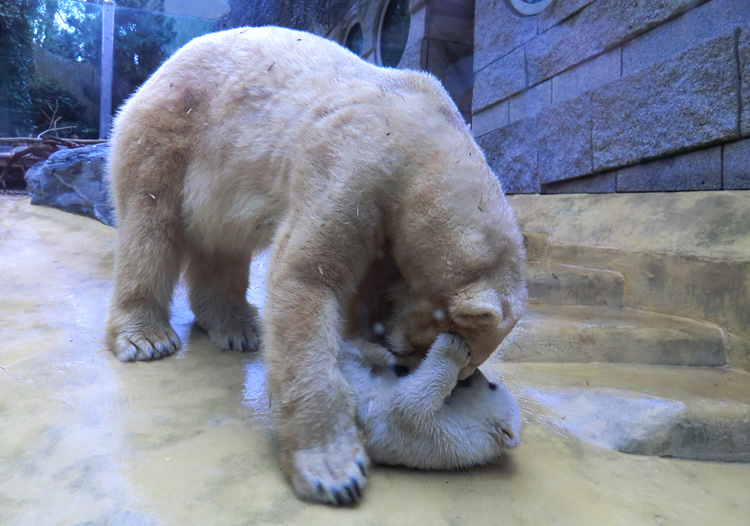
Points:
x=49 y=69
x=354 y=39
x=394 y=32
x=144 y=39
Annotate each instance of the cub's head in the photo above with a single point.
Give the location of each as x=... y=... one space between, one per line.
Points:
x=491 y=406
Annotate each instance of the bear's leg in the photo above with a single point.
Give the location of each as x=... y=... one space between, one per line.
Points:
x=148 y=262
x=217 y=288
x=313 y=404
x=313 y=270
x=423 y=392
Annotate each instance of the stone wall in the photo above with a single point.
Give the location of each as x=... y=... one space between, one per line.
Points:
x=614 y=96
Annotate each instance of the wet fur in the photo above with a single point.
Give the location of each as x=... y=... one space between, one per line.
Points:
x=262 y=137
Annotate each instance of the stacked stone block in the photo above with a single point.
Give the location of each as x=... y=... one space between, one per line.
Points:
x=605 y=95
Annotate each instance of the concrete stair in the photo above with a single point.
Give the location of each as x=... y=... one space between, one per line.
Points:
x=589 y=364
x=698 y=413
x=571 y=333
x=579 y=314
x=571 y=285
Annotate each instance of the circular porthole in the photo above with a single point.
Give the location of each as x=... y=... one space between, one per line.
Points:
x=353 y=40
x=529 y=7
x=394 y=32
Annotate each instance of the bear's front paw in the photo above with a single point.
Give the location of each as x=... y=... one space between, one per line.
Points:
x=335 y=473
x=145 y=344
x=453 y=347
x=232 y=333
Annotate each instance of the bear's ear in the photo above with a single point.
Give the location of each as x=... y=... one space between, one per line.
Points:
x=478 y=309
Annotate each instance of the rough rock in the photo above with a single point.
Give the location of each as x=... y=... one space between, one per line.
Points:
x=74 y=181
x=530 y=102
x=565 y=140
x=685 y=102
x=593 y=184
x=498 y=31
x=559 y=11
x=699 y=170
x=500 y=80
x=743 y=46
x=512 y=153
x=586 y=77
x=490 y=119
x=737 y=165
x=705 y=22
x=597 y=28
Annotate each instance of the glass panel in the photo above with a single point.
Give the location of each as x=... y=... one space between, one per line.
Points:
x=49 y=68
x=144 y=39
x=394 y=32
x=354 y=39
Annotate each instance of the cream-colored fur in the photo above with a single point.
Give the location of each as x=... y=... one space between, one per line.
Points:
x=424 y=419
x=266 y=136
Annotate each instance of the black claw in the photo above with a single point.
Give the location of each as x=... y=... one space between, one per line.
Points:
x=154 y=349
x=362 y=468
x=244 y=344
x=231 y=345
x=320 y=489
x=337 y=499
x=131 y=342
x=350 y=493
x=174 y=344
x=357 y=489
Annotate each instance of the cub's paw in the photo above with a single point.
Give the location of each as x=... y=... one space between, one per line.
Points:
x=233 y=333
x=453 y=347
x=145 y=344
x=335 y=473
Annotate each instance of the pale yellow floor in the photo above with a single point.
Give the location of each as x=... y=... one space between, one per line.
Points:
x=186 y=440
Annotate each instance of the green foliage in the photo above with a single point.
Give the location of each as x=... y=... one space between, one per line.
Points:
x=16 y=62
x=72 y=30
x=141 y=38
x=69 y=29
x=55 y=107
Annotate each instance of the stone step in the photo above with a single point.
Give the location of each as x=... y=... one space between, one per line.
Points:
x=698 y=413
x=569 y=333
x=571 y=285
x=535 y=244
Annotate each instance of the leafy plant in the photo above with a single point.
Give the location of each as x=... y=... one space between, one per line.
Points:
x=16 y=62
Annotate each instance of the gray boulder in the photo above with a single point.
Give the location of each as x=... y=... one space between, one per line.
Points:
x=75 y=181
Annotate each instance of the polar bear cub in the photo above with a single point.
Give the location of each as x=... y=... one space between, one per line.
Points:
x=426 y=418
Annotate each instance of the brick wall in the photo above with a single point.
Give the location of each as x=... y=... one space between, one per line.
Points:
x=614 y=95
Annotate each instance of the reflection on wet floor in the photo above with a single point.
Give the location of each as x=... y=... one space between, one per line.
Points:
x=187 y=440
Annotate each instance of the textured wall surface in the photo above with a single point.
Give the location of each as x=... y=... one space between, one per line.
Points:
x=605 y=95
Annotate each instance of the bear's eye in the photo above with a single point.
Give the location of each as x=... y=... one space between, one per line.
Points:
x=492 y=386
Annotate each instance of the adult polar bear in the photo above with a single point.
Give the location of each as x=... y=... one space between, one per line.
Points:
x=267 y=136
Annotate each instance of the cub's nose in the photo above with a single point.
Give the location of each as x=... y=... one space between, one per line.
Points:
x=507 y=435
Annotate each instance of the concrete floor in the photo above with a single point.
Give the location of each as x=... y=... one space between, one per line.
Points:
x=85 y=439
